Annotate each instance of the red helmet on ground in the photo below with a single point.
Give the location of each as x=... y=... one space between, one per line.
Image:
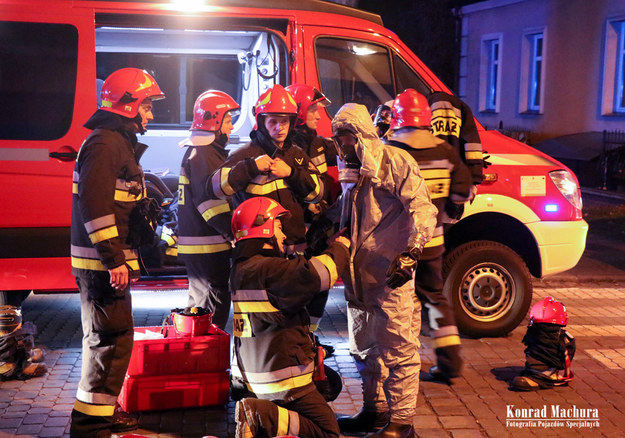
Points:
x=549 y=311
x=276 y=101
x=255 y=218
x=125 y=89
x=305 y=96
x=410 y=108
x=210 y=108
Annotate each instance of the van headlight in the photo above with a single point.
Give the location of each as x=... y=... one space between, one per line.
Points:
x=565 y=182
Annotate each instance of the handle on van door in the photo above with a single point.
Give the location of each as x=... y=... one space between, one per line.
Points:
x=67 y=153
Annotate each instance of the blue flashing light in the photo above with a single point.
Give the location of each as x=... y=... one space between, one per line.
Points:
x=551 y=208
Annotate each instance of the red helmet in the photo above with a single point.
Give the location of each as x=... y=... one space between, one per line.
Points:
x=210 y=108
x=410 y=109
x=550 y=311
x=305 y=96
x=276 y=101
x=255 y=218
x=125 y=89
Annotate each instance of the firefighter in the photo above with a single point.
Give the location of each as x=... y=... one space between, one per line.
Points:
x=449 y=183
x=387 y=209
x=322 y=153
x=205 y=236
x=270 y=165
x=273 y=350
x=108 y=208
x=452 y=120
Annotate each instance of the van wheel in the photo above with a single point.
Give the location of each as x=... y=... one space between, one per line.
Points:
x=489 y=287
x=13 y=298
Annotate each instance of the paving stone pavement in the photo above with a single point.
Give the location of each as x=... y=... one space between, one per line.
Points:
x=478 y=404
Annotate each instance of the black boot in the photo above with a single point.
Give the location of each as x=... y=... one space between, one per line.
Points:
x=394 y=430
x=435 y=374
x=363 y=421
x=122 y=422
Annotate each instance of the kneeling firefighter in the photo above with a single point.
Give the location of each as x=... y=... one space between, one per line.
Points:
x=274 y=351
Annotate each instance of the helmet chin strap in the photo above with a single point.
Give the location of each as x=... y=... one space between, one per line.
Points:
x=139 y=122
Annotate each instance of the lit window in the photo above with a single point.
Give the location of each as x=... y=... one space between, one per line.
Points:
x=490 y=78
x=619 y=98
x=536 y=72
x=493 y=71
x=613 y=93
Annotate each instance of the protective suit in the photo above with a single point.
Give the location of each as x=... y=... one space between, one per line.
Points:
x=389 y=210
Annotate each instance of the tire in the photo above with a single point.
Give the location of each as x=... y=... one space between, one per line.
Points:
x=489 y=288
x=13 y=298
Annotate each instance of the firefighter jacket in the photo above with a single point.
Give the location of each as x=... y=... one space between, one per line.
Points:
x=446 y=176
x=322 y=154
x=203 y=220
x=274 y=351
x=107 y=183
x=239 y=179
x=452 y=120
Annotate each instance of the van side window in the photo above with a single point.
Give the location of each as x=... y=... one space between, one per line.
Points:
x=187 y=62
x=37 y=79
x=354 y=71
x=405 y=77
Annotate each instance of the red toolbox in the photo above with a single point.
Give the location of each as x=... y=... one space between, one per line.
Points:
x=148 y=393
x=178 y=354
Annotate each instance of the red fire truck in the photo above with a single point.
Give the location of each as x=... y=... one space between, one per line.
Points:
x=525 y=222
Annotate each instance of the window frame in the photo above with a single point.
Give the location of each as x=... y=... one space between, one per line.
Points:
x=613 y=86
x=529 y=92
x=389 y=51
x=490 y=73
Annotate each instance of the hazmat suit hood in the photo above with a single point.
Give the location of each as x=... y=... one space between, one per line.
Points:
x=355 y=118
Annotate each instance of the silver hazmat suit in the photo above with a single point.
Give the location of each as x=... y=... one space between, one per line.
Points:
x=390 y=211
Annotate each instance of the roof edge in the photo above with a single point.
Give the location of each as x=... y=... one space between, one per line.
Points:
x=300 y=5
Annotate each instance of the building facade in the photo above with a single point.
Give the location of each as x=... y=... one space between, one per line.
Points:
x=553 y=68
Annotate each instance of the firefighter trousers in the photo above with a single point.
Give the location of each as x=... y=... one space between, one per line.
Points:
x=429 y=288
x=208 y=285
x=107 y=326
x=308 y=416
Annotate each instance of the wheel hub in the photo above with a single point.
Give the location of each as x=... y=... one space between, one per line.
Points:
x=486 y=292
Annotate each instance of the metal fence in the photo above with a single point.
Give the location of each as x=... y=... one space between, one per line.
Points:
x=612 y=160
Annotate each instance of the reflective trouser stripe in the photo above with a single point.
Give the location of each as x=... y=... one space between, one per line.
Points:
x=94 y=410
x=446 y=341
